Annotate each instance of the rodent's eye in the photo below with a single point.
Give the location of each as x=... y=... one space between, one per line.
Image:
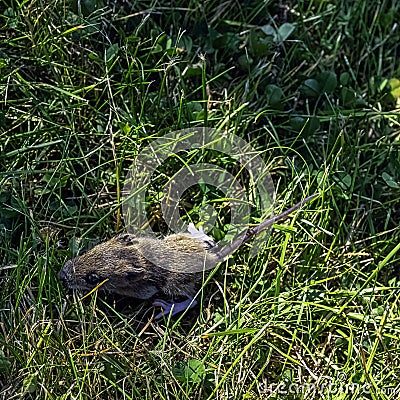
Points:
x=128 y=239
x=93 y=279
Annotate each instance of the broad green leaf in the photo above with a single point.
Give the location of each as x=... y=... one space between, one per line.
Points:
x=273 y=94
x=343 y=180
x=389 y=180
x=395 y=86
x=327 y=82
x=269 y=30
x=285 y=30
x=193 y=371
x=111 y=52
x=348 y=97
x=344 y=78
x=310 y=87
x=259 y=46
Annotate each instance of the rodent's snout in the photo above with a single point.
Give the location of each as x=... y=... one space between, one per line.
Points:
x=63 y=274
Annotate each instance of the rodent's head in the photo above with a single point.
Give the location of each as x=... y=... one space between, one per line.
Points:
x=115 y=266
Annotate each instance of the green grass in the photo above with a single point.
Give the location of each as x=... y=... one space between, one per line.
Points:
x=313 y=86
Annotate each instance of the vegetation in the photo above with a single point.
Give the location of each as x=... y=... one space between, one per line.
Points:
x=314 y=86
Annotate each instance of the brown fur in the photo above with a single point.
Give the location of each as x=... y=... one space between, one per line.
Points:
x=123 y=264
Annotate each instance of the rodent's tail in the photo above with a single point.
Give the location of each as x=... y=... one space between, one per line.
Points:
x=227 y=251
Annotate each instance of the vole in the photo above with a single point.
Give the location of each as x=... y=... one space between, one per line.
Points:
x=122 y=264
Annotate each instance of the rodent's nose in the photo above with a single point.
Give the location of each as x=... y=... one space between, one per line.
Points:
x=62 y=275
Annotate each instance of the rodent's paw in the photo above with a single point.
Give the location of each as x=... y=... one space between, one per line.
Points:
x=172 y=307
x=200 y=235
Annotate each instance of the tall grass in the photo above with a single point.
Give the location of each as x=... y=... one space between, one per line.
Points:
x=312 y=85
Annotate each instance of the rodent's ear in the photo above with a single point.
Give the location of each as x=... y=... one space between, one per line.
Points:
x=127 y=239
x=134 y=276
